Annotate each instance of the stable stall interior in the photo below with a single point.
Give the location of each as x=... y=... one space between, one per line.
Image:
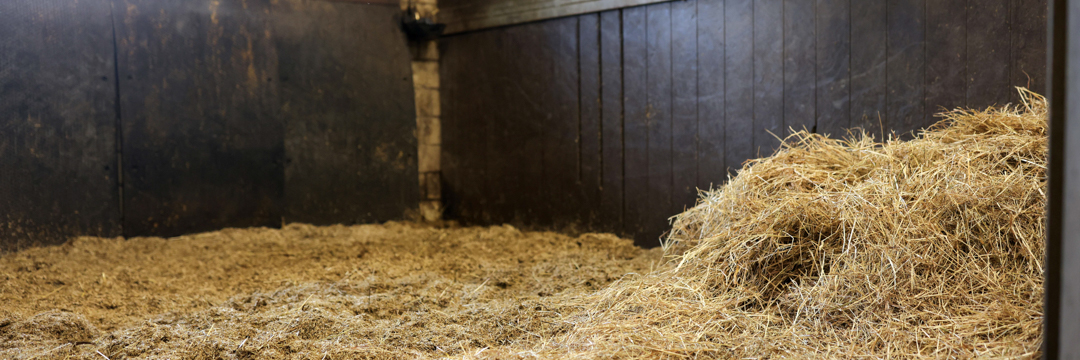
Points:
x=293 y=179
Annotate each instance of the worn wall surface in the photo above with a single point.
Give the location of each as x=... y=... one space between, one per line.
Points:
x=201 y=137
x=612 y=121
x=57 y=122
x=347 y=101
x=138 y=117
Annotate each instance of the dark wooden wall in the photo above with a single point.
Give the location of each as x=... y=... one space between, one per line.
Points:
x=58 y=172
x=347 y=95
x=145 y=117
x=202 y=137
x=612 y=121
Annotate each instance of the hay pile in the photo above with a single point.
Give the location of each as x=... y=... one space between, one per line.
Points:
x=831 y=248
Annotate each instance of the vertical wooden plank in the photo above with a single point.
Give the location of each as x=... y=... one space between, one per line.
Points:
x=557 y=95
x=739 y=82
x=58 y=175
x=452 y=82
x=514 y=106
x=989 y=53
x=906 y=71
x=946 y=56
x=684 y=98
x=349 y=113
x=711 y=95
x=203 y=138
x=465 y=119
x=487 y=135
x=635 y=125
x=483 y=200
x=868 y=51
x=658 y=117
x=611 y=108
x=768 y=75
x=684 y=20
x=1029 y=44
x=834 y=67
x=589 y=103
x=800 y=65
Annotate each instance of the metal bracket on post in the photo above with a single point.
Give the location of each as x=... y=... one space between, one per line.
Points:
x=419 y=28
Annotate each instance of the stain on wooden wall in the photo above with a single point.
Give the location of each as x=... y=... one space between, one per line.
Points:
x=57 y=122
x=668 y=98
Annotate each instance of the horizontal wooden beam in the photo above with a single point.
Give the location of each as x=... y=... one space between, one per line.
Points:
x=468 y=15
x=369 y=2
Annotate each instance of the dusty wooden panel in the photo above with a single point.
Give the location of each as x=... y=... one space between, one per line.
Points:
x=946 y=56
x=868 y=51
x=57 y=122
x=712 y=171
x=768 y=76
x=467 y=15
x=454 y=56
x=691 y=87
x=989 y=53
x=800 y=65
x=348 y=109
x=739 y=88
x=589 y=83
x=1029 y=44
x=477 y=198
x=834 y=67
x=556 y=99
x=635 y=126
x=203 y=139
x=511 y=171
x=611 y=109
x=684 y=112
x=658 y=120
x=906 y=67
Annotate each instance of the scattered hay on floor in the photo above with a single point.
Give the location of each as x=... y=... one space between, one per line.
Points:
x=849 y=248
x=392 y=291
x=827 y=249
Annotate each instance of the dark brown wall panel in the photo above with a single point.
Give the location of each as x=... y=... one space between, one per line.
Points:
x=635 y=124
x=590 y=139
x=946 y=55
x=989 y=53
x=768 y=75
x=906 y=66
x=208 y=109
x=684 y=99
x=711 y=93
x=203 y=140
x=611 y=109
x=800 y=66
x=454 y=128
x=347 y=105
x=468 y=151
x=687 y=91
x=833 y=67
x=558 y=98
x=58 y=172
x=1029 y=44
x=868 y=76
x=738 y=82
x=658 y=120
